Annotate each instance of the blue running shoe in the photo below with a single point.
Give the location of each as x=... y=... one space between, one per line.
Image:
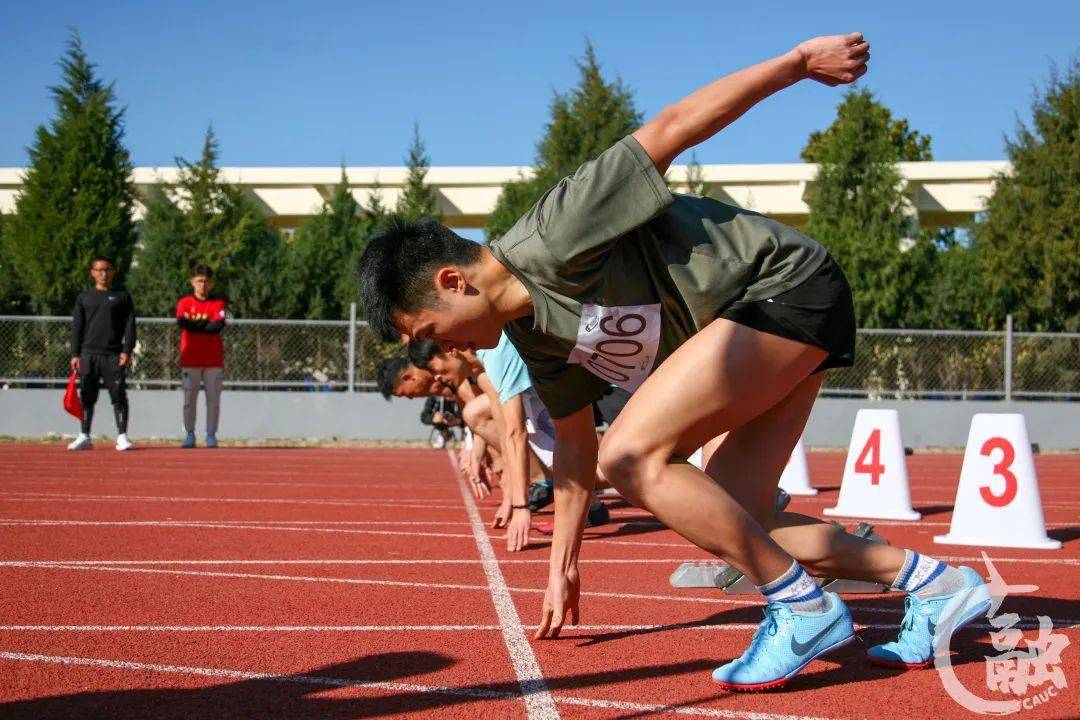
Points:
x=211 y=440
x=189 y=441
x=914 y=648
x=785 y=643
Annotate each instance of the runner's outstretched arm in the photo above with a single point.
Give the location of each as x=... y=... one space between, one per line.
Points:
x=832 y=60
x=576 y=448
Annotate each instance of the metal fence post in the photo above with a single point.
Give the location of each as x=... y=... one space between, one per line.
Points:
x=352 y=347
x=1008 y=357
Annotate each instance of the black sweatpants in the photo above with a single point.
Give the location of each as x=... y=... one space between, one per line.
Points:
x=95 y=369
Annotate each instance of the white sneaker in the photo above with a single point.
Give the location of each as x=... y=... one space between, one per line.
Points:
x=82 y=442
x=122 y=442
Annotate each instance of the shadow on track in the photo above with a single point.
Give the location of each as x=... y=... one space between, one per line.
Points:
x=303 y=696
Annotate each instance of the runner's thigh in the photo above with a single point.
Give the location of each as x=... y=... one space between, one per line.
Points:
x=750 y=461
x=721 y=378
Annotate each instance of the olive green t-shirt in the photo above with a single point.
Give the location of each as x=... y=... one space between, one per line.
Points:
x=622 y=272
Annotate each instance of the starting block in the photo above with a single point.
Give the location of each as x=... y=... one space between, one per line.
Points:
x=715 y=574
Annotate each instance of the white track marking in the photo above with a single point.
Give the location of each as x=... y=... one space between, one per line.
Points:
x=539 y=704
x=243 y=675
x=250 y=628
x=854 y=603
x=223 y=526
x=286 y=528
x=1059 y=624
x=65 y=497
x=293 y=561
x=257 y=576
x=475 y=693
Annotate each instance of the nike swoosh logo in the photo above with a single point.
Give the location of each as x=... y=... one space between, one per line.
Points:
x=802 y=648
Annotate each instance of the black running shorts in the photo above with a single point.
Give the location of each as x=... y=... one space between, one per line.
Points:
x=818 y=312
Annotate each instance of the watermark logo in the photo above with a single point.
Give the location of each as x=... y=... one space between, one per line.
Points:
x=1031 y=677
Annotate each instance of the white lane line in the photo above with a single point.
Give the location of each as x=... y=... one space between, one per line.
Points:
x=1059 y=624
x=250 y=628
x=244 y=675
x=218 y=526
x=255 y=576
x=466 y=692
x=65 y=497
x=224 y=483
x=854 y=603
x=361 y=561
x=539 y=704
x=227 y=521
x=676 y=709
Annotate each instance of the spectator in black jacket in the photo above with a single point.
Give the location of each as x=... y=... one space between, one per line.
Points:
x=102 y=338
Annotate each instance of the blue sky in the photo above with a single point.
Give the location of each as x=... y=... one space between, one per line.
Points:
x=313 y=84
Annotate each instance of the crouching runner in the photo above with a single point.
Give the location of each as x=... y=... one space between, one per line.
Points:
x=719 y=320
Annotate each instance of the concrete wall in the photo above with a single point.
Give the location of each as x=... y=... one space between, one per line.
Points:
x=246 y=415
x=944 y=423
x=366 y=416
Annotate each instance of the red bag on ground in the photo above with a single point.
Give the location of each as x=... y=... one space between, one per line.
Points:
x=71 y=396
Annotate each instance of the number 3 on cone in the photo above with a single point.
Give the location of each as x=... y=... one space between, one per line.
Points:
x=1008 y=454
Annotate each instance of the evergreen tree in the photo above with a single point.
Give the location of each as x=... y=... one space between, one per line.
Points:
x=207 y=221
x=584 y=123
x=417 y=200
x=1028 y=241
x=12 y=301
x=859 y=212
x=695 y=178
x=321 y=259
x=77 y=195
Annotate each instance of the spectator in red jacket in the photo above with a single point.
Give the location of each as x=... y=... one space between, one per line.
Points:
x=201 y=319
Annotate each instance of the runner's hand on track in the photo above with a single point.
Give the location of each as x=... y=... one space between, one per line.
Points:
x=502 y=515
x=835 y=59
x=517 y=531
x=481 y=489
x=563 y=592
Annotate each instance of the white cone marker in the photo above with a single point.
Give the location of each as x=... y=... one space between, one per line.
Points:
x=998 y=501
x=875 y=483
x=796 y=477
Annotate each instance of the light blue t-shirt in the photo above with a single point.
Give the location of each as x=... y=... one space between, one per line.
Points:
x=506 y=369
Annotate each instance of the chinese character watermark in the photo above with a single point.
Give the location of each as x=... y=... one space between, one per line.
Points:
x=1032 y=676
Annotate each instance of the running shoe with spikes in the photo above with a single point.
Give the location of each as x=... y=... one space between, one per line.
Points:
x=919 y=635
x=786 y=642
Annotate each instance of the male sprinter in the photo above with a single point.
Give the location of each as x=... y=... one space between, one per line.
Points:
x=202 y=354
x=399 y=377
x=102 y=338
x=722 y=320
x=525 y=431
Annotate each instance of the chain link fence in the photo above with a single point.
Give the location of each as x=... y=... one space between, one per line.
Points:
x=311 y=355
x=340 y=355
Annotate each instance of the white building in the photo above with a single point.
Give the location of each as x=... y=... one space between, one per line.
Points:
x=942 y=193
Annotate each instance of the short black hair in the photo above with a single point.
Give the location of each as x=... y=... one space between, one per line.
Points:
x=102 y=258
x=388 y=372
x=422 y=351
x=395 y=269
x=202 y=269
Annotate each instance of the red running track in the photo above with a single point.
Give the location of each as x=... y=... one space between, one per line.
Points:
x=343 y=583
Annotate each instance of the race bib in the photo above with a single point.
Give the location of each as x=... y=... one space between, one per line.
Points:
x=618 y=344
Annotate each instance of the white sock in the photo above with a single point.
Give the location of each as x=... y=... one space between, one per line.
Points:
x=926 y=577
x=796 y=589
